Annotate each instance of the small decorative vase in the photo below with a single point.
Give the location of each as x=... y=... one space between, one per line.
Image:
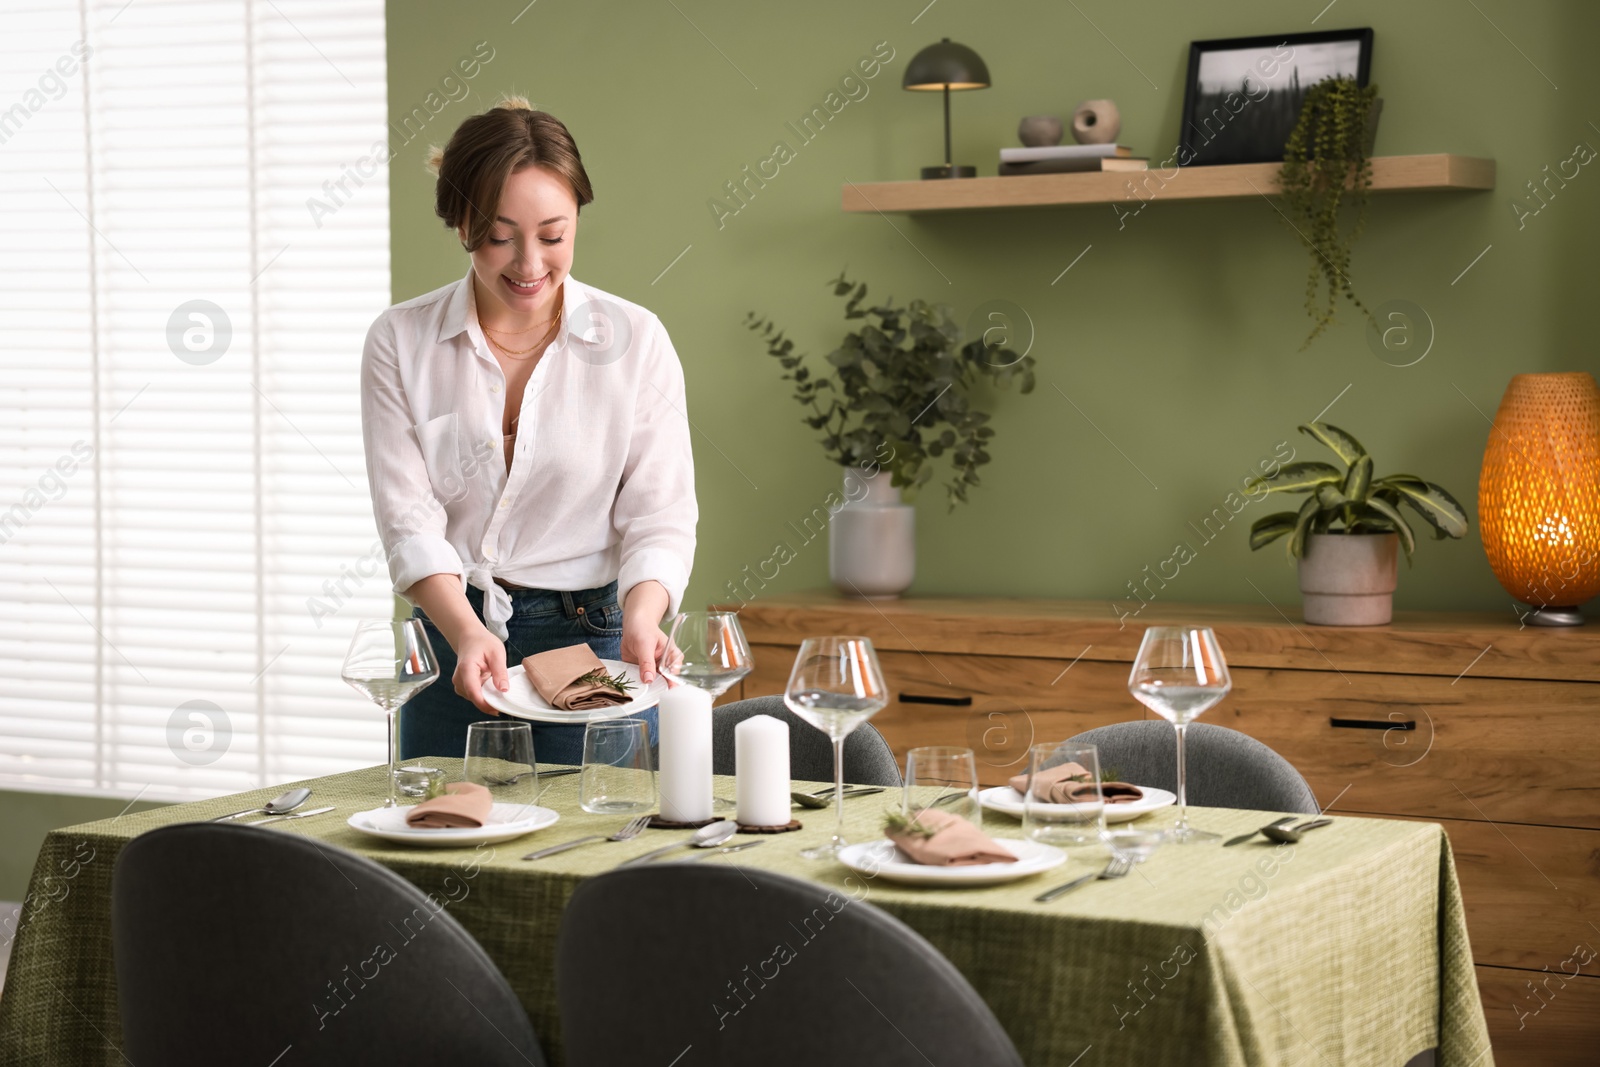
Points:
x=872 y=538
x=1349 y=579
x=1037 y=131
x=1096 y=122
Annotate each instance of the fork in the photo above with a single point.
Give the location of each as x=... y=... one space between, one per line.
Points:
x=1118 y=867
x=631 y=829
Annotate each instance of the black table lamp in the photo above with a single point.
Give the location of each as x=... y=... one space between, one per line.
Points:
x=946 y=66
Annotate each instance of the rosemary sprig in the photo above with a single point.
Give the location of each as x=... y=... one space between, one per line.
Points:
x=619 y=682
x=900 y=823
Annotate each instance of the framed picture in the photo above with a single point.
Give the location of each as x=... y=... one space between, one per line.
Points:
x=1243 y=95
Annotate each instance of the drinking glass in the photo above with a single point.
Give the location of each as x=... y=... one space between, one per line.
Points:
x=1179 y=674
x=836 y=685
x=1063 y=824
x=618 y=776
x=389 y=661
x=706 y=649
x=943 y=778
x=500 y=758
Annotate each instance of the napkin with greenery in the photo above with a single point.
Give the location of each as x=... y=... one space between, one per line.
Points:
x=1071 y=783
x=943 y=839
x=463 y=805
x=574 y=679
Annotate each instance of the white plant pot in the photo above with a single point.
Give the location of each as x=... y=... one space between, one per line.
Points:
x=872 y=538
x=1349 y=579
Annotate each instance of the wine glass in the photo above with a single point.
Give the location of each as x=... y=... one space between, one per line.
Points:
x=836 y=685
x=706 y=649
x=389 y=662
x=1179 y=673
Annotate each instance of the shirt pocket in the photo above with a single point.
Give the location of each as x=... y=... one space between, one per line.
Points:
x=440 y=443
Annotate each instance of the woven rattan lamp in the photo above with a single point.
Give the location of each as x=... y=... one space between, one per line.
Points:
x=1539 y=494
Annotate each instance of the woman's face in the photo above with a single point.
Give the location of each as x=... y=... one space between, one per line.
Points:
x=529 y=251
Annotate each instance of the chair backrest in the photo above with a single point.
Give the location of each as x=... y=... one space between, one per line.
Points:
x=1225 y=768
x=751 y=967
x=233 y=944
x=868 y=759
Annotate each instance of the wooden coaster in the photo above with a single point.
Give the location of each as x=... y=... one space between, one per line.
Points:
x=791 y=825
x=658 y=823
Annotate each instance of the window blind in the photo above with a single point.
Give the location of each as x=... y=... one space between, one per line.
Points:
x=188 y=268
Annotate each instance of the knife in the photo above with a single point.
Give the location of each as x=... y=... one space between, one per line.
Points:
x=291 y=815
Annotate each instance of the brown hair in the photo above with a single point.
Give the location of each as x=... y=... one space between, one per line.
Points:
x=487 y=149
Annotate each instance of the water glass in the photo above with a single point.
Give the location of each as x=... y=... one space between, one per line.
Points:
x=1134 y=844
x=619 y=776
x=943 y=778
x=1079 y=823
x=500 y=758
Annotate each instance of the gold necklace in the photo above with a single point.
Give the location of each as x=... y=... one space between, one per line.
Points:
x=512 y=352
x=530 y=329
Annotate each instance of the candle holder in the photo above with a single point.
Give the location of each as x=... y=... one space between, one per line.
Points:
x=787 y=828
x=658 y=823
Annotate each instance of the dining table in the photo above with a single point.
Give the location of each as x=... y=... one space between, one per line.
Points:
x=1348 y=947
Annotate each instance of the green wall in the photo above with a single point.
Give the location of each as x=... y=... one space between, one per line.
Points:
x=1177 y=335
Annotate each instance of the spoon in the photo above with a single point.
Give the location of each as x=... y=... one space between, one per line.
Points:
x=1288 y=835
x=708 y=836
x=811 y=800
x=280 y=805
x=1242 y=838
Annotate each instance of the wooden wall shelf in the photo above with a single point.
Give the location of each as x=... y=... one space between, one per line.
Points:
x=1389 y=173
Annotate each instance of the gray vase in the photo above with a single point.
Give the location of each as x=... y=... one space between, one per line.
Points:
x=1349 y=579
x=872 y=538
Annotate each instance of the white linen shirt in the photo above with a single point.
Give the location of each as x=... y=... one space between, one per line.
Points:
x=601 y=484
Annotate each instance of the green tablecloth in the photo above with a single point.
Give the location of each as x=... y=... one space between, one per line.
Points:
x=1349 y=948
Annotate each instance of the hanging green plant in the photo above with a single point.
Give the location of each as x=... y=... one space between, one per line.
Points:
x=1326 y=165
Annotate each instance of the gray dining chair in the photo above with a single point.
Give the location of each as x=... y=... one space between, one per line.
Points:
x=868 y=759
x=235 y=944
x=794 y=974
x=1225 y=768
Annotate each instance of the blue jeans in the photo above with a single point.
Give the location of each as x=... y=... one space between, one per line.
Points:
x=435 y=721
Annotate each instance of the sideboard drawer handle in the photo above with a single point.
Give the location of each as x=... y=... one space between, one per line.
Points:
x=1373 y=724
x=953 y=702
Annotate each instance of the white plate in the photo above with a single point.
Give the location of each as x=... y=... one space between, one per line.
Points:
x=882 y=859
x=506 y=821
x=523 y=702
x=1003 y=798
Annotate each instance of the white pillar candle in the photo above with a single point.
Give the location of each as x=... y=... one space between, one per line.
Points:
x=684 y=729
x=761 y=761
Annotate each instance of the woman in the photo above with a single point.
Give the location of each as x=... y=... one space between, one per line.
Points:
x=527 y=441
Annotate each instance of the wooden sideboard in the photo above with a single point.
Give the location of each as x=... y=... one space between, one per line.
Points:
x=1465 y=719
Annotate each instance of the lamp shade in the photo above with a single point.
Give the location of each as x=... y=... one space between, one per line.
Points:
x=946 y=65
x=1539 y=492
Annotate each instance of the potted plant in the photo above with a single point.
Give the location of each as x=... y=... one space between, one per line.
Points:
x=1327 y=162
x=898 y=397
x=1344 y=536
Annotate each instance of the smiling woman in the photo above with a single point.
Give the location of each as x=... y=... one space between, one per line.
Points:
x=585 y=533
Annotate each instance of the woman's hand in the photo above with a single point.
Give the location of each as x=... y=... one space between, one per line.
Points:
x=642 y=639
x=479 y=656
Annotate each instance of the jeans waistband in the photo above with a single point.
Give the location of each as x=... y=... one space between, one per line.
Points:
x=525 y=601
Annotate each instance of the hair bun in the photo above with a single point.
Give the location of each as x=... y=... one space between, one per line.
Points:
x=511 y=102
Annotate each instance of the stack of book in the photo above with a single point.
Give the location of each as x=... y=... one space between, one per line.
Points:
x=1069 y=158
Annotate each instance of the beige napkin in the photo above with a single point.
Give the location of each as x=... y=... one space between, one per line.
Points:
x=555 y=675
x=464 y=805
x=1056 y=786
x=955 y=842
